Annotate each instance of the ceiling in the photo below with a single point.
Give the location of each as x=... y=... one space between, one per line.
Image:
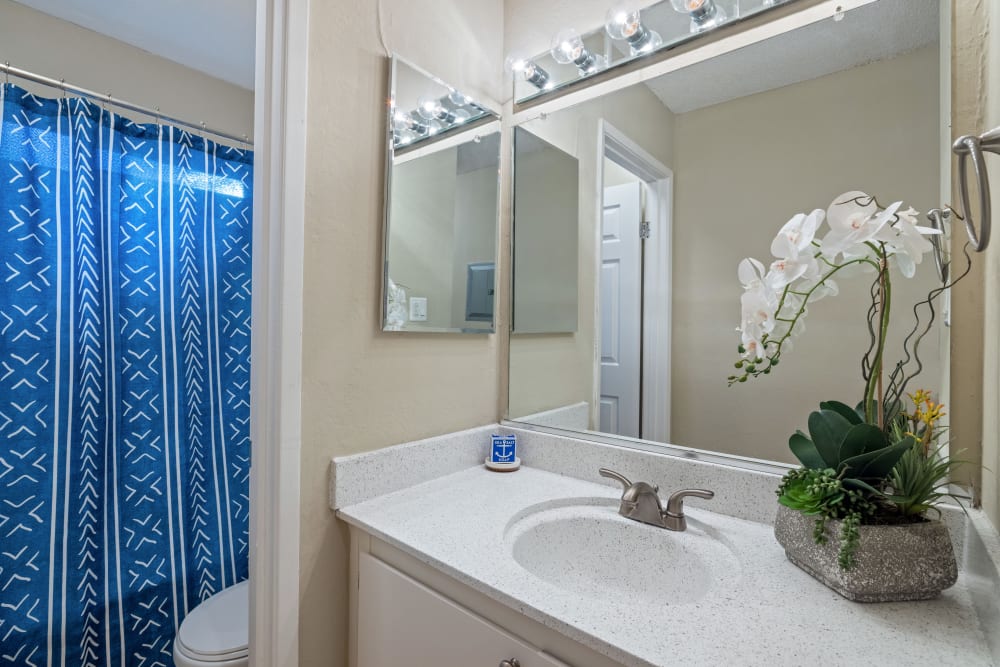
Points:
x=212 y=36
x=876 y=31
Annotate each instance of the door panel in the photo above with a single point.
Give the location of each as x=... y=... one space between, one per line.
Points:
x=621 y=323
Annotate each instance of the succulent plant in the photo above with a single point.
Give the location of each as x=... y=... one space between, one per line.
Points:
x=860 y=454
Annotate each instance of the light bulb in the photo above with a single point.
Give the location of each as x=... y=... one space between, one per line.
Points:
x=568 y=47
x=428 y=107
x=704 y=14
x=522 y=67
x=625 y=22
x=404 y=122
x=459 y=99
x=431 y=108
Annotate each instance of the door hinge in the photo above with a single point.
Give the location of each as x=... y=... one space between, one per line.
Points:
x=644 y=230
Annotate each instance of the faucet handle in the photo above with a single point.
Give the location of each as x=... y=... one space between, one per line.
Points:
x=675 y=504
x=617 y=476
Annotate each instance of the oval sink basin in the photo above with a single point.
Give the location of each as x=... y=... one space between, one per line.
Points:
x=586 y=548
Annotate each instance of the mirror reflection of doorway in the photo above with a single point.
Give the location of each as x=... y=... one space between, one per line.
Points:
x=633 y=351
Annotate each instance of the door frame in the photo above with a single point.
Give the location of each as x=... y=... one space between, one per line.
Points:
x=615 y=145
x=280 y=98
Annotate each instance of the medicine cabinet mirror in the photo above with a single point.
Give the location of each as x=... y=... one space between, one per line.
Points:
x=441 y=208
x=685 y=174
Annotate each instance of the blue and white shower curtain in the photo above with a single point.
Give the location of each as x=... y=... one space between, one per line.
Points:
x=124 y=380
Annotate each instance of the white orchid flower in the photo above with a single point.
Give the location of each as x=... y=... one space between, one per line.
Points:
x=751 y=273
x=796 y=237
x=853 y=223
x=784 y=272
x=758 y=307
x=752 y=348
x=906 y=241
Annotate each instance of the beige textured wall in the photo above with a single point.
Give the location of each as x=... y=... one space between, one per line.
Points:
x=49 y=46
x=745 y=167
x=968 y=412
x=363 y=389
x=991 y=356
x=553 y=370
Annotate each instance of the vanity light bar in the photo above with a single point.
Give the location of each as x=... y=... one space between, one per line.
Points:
x=432 y=116
x=623 y=23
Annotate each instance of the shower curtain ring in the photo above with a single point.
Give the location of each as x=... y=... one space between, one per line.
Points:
x=157 y=116
x=6 y=72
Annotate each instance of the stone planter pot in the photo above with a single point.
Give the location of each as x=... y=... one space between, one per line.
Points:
x=892 y=563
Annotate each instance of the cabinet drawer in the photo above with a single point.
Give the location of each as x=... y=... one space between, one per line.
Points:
x=403 y=623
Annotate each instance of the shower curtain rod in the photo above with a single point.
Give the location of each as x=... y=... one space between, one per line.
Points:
x=8 y=70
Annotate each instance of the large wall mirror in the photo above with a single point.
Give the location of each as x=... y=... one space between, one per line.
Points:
x=682 y=176
x=442 y=186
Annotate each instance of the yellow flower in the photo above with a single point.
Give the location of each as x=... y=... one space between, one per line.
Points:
x=920 y=397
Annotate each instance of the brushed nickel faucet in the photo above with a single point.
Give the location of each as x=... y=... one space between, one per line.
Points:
x=641 y=502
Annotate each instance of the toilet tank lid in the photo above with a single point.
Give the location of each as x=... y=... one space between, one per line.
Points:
x=219 y=625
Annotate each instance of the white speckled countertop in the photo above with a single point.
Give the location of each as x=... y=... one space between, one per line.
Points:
x=774 y=614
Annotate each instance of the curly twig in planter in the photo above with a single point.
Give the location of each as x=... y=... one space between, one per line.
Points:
x=900 y=378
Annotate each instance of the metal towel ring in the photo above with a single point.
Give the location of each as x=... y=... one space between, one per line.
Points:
x=973 y=146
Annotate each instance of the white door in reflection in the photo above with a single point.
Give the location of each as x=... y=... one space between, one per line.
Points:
x=620 y=341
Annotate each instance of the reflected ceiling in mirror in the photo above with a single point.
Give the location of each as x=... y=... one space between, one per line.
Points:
x=442 y=185
x=715 y=158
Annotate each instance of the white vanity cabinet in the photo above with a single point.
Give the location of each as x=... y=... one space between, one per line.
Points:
x=405 y=613
x=402 y=622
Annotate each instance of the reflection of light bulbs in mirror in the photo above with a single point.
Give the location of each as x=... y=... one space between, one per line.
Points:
x=431 y=108
x=459 y=99
x=428 y=107
x=625 y=22
x=704 y=14
x=568 y=47
x=404 y=122
x=404 y=138
x=523 y=67
x=462 y=115
x=433 y=127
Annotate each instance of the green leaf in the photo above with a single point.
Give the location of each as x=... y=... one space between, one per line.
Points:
x=862 y=485
x=827 y=429
x=879 y=463
x=860 y=439
x=845 y=411
x=805 y=451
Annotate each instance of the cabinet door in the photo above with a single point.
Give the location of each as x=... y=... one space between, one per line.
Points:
x=401 y=622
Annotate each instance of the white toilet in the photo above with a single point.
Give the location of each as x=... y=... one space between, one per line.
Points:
x=216 y=632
